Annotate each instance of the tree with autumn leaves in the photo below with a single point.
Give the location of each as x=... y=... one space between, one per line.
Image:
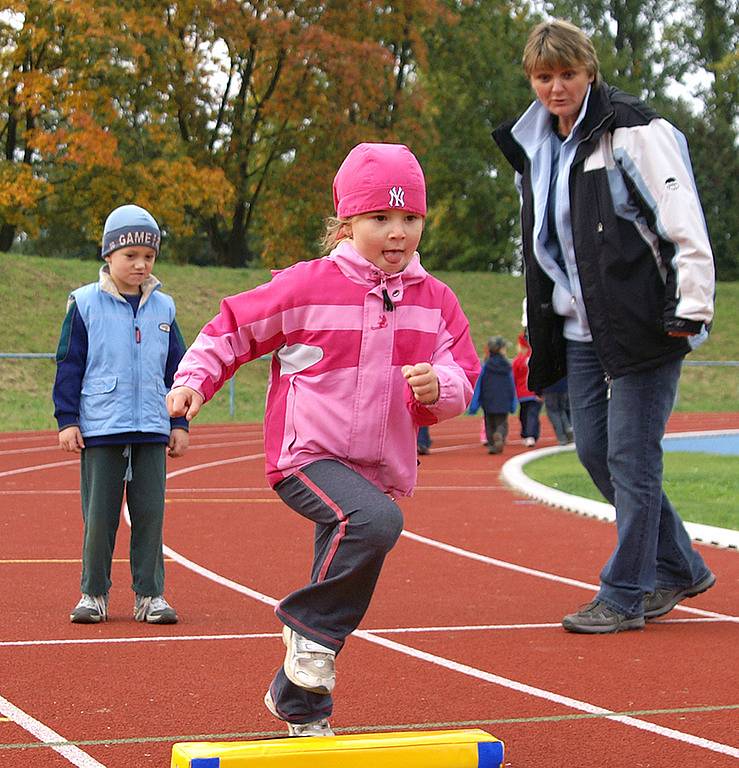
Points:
x=83 y=129
x=228 y=118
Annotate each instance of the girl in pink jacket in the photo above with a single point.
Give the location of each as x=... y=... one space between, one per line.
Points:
x=366 y=347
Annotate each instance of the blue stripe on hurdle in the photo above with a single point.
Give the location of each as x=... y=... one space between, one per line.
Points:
x=205 y=762
x=489 y=754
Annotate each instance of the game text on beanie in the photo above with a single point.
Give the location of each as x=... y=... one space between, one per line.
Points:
x=378 y=177
x=130 y=225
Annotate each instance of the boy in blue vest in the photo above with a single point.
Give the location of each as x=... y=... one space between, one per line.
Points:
x=118 y=351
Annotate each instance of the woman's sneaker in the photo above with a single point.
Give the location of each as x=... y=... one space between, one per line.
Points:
x=91 y=609
x=154 y=610
x=596 y=618
x=664 y=599
x=307 y=664
x=317 y=728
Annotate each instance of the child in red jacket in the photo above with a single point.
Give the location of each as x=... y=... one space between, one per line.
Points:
x=530 y=403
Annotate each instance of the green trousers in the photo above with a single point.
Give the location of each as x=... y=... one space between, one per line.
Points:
x=103 y=481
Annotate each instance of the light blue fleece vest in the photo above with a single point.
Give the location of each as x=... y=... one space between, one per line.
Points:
x=123 y=386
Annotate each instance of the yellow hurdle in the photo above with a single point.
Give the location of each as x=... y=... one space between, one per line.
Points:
x=466 y=748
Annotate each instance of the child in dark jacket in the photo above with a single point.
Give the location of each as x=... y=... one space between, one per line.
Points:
x=496 y=394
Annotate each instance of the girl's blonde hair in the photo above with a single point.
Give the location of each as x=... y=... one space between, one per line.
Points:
x=559 y=43
x=336 y=231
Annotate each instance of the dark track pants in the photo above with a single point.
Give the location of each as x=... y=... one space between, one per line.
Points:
x=356 y=526
x=102 y=470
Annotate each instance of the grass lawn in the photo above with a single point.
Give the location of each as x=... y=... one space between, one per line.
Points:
x=34 y=290
x=704 y=487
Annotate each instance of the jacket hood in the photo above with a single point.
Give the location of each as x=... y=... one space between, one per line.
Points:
x=497 y=362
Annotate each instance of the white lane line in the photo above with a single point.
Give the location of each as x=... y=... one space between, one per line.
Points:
x=440 y=661
x=539 y=574
x=408 y=534
x=38 y=467
x=452 y=665
x=471 y=671
x=250 y=489
x=540 y=693
x=137 y=639
x=47 y=736
x=210 y=464
x=39 y=492
x=53 y=465
x=493 y=627
x=271 y=635
x=193 y=447
x=494 y=561
x=448 y=448
x=461 y=488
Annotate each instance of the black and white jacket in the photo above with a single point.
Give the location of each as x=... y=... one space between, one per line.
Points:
x=642 y=250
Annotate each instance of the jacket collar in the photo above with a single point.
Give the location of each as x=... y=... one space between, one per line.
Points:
x=534 y=127
x=361 y=271
x=599 y=112
x=107 y=285
x=530 y=129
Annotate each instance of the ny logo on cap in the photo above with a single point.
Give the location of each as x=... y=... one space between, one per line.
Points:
x=397 y=197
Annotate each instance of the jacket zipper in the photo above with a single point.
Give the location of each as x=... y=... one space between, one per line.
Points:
x=387 y=302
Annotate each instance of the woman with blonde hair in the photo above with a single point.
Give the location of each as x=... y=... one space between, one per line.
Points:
x=620 y=285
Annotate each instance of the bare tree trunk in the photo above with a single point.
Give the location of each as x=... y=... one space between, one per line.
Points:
x=7 y=235
x=235 y=253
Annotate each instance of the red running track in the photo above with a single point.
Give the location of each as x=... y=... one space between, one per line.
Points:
x=468 y=635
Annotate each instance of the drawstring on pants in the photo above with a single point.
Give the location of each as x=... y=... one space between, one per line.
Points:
x=127 y=453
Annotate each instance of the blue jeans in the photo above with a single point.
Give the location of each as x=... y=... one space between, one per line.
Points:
x=619 y=442
x=528 y=415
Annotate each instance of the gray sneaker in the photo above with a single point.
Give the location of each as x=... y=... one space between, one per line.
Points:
x=91 y=609
x=596 y=618
x=664 y=599
x=497 y=446
x=308 y=664
x=316 y=728
x=154 y=610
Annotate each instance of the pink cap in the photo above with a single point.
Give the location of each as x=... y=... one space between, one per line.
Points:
x=378 y=177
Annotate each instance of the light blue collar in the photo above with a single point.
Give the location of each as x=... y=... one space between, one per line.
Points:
x=534 y=127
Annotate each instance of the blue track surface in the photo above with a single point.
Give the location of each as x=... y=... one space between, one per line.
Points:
x=728 y=445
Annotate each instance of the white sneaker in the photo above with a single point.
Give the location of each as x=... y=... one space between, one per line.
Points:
x=91 y=609
x=316 y=728
x=154 y=610
x=308 y=664
x=529 y=442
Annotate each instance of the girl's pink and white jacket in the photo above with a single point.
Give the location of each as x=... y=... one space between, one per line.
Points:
x=336 y=390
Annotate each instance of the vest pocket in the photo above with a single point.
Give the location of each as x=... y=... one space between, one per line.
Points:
x=101 y=386
x=99 y=406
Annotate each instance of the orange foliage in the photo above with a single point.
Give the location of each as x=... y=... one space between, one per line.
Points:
x=110 y=97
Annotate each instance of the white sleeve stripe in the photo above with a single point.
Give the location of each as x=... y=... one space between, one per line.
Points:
x=648 y=155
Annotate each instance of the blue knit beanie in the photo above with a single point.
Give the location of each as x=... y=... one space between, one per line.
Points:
x=130 y=225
